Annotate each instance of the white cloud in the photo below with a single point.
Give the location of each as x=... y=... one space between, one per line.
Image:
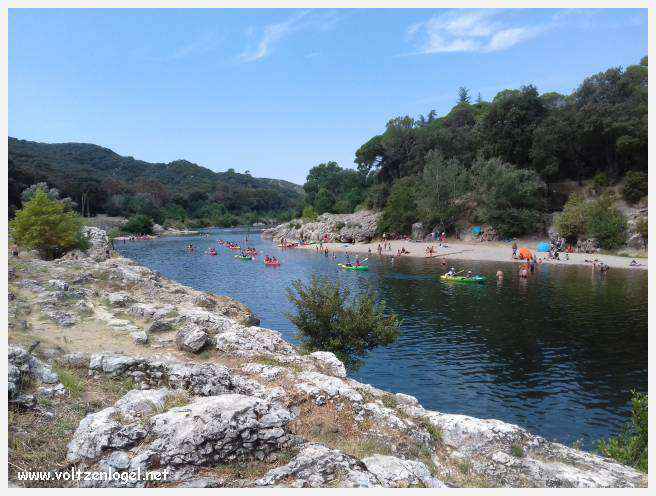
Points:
x=274 y=33
x=469 y=31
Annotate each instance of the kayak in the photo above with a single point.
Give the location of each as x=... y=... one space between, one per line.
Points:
x=464 y=279
x=272 y=264
x=353 y=267
x=243 y=258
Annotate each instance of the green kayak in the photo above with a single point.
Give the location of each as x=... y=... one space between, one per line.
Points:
x=470 y=280
x=243 y=258
x=353 y=267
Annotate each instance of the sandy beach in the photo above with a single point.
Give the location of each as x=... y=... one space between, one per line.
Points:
x=477 y=251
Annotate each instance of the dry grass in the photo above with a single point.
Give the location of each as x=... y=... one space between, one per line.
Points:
x=37 y=442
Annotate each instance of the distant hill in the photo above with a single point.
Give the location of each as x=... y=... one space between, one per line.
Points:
x=110 y=181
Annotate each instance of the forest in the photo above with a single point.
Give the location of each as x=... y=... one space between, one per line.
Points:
x=179 y=193
x=496 y=159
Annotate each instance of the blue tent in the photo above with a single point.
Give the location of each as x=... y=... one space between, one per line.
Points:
x=544 y=247
x=476 y=230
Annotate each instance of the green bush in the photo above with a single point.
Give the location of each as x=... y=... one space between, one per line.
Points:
x=635 y=186
x=630 y=446
x=45 y=225
x=327 y=319
x=139 y=224
x=600 y=181
x=309 y=213
x=572 y=221
x=606 y=223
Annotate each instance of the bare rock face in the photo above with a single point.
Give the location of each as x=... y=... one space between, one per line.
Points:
x=347 y=228
x=319 y=466
x=491 y=447
x=98 y=241
x=396 y=472
x=208 y=430
x=253 y=341
x=329 y=363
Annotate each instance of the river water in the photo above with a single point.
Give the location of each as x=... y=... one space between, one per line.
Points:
x=558 y=354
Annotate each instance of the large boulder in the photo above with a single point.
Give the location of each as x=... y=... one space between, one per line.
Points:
x=396 y=472
x=319 y=466
x=207 y=431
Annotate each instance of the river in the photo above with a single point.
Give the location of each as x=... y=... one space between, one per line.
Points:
x=558 y=354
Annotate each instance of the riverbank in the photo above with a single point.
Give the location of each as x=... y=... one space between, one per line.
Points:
x=477 y=251
x=127 y=360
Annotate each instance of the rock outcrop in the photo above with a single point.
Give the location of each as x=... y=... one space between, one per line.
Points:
x=249 y=399
x=345 y=228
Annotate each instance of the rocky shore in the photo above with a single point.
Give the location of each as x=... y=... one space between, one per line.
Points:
x=114 y=368
x=345 y=228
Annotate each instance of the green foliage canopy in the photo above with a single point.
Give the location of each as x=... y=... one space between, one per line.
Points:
x=45 y=225
x=328 y=318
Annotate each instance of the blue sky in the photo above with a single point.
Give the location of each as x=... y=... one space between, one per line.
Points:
x=279 y=91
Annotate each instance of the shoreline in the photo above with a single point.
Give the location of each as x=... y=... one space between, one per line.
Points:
x=478 y=252
x=255 y=364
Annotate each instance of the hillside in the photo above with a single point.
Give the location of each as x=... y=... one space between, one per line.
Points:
x=110 y=182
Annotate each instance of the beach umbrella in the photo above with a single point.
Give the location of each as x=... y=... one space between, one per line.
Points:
x=544 y=247
x=525 y=254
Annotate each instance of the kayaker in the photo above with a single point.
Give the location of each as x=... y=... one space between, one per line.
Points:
x=499 y=274
x=451 y=272
x=469 y=274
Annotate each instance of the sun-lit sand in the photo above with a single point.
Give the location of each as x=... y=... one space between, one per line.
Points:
x=477 y=251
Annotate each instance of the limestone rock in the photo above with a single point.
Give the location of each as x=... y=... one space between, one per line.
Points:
x=329 y=363
x=139 y=337
x=395 y=472
x=119 y=299
x=191 y=338
x=318 y=466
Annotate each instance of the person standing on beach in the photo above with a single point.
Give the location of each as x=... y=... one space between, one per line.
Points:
x=514 y=249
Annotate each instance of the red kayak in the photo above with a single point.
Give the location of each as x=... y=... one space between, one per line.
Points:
x=272 y=264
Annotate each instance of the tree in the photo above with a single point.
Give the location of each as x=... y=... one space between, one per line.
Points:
x=45 y=225
x=635 y=186
x=509 y=199
x=630 y=447
x=139 y=224
x=463 y=95
x=443 y=183
x=401 y=209
x=309 y=213
x=327 y=318
x=572 y=222
x=508 y=127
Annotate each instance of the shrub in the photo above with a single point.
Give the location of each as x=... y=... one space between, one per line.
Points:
x=139 y=224
x=571 y=223
x=309 y=213
x=45 y=225
x=635 y=186
x=600 y=181
x=630 y=446
x=606 y=223
x=327 y=320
